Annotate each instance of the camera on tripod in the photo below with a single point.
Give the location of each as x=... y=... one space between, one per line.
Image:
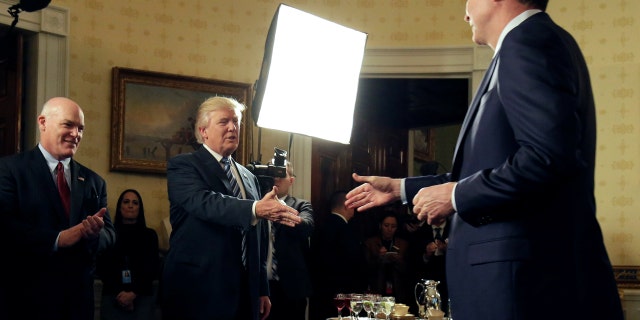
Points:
x=266 y=173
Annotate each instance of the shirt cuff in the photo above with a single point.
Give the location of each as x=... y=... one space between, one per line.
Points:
x=55 y=245
x=453 y=197
x=254 y=219
x=403 y=195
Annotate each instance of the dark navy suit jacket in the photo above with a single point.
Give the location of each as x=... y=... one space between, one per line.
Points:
x=525 y=238
x=203 y=270
x=54 y=284
x=292 y=250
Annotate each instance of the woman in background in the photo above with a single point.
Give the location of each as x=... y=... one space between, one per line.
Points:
x=385 y=254
x=129 y=268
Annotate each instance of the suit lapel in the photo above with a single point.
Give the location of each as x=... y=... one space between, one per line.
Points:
x=77 y=190
x=471 y=113
x=289 y=201
x=40 y=171
x=213 y=168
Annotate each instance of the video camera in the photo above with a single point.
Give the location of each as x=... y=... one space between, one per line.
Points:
x=266 y=173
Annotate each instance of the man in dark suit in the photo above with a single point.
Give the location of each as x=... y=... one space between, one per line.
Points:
x=338 y=261
x=525 y=241
x=216 y=264
x=51 y=240
x=289 y=281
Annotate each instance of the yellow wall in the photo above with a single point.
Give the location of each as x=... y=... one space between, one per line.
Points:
x=224 y=40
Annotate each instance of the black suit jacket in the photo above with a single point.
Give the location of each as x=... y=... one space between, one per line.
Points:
x=432 y=268
x=203 y=270
x=53 y=284
x=339 y=263
x=292 y=250
x=526 y=225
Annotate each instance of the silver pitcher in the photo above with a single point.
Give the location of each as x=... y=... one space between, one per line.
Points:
x=427 y=296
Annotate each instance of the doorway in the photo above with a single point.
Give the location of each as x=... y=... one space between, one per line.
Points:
x=45 y=61
x=384 y=150
x=11 y=52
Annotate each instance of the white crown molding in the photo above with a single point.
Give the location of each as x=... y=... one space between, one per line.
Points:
x=52 y=19
x=446 y=61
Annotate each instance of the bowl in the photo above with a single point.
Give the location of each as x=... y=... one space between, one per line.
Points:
x=400 y=309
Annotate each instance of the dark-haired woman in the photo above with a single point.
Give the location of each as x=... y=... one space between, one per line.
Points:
x=129 y=268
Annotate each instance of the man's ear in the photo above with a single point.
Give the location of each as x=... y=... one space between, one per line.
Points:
x=41 y=123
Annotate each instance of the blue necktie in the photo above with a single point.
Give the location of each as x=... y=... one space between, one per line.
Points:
x=235 y=190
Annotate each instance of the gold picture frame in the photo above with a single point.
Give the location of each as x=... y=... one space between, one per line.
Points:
x=153 y=116
x=627 y=277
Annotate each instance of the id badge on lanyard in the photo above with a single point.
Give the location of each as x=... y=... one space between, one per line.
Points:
x=126 y=276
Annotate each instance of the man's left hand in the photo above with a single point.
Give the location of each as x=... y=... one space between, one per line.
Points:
x=434 y=203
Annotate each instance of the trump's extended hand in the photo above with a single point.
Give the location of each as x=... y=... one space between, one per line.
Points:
x=434 y=203
x=375 y=191
x=270 y=208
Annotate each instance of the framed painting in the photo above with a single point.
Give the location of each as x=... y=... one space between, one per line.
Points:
x=627 y=277
x=423 y=141
x=153 y=117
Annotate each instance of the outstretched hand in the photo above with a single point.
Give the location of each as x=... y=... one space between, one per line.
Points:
x=271 y=208
x=375 y=191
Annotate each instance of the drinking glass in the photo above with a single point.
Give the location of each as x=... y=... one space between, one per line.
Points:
x=355 y=301
x=339 y=301
x=386 y=304
x=347 y=303
x=367 y=304
x=376 y=306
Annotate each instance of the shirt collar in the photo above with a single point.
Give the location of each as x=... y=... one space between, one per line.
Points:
x=440 y=226
x=514 y=23
x=213 y=153
x=341 y=217
x=53 y=162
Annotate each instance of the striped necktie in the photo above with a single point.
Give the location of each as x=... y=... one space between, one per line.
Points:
x=235 y=190
x=274 y=261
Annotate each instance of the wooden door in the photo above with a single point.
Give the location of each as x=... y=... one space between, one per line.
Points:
x=10 y=93
x=375 y=149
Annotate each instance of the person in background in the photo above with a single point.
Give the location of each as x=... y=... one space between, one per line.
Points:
x=337 y=259
x=427 y=255
x=524 y=241
x=53 y=221
x=216 y=264
x=287 y=269
x=386 y=259
x=129 y=268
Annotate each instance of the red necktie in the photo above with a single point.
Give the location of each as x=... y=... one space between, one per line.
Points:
x=63 y=189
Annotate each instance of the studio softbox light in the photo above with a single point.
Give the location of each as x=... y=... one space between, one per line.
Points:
x=309 y=78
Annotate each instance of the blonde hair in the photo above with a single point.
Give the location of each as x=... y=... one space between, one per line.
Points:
x=214 y=104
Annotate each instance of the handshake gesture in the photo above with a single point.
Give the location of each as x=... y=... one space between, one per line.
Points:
x=272 y=208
